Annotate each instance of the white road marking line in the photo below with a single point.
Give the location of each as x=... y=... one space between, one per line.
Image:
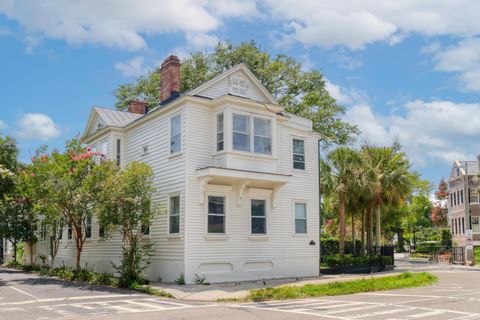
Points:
x=378 y=313
x=70 y=298
x=354 y=309
x=25 y=293
x=151 y=306
x=401 y=295
x=167 y=302
x=426 y=314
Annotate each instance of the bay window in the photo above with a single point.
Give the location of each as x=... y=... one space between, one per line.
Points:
x=243 y=140
x=262 y=140
x=220 y=135
x=241 y=132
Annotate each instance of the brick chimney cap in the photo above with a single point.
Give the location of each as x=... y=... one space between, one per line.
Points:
x=171 y=59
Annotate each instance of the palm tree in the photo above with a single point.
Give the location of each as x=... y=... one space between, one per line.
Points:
x=390 y=179
x=338 y=174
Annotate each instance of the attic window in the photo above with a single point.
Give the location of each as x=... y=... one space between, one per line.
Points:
x=99 y=125
x=238 y=86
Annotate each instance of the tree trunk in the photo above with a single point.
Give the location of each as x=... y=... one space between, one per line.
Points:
x=378 y=229
x=31 y=253
x=354 y=244
x=14 y=251
x=341 y=218
x=369 y=230
x=362 y=239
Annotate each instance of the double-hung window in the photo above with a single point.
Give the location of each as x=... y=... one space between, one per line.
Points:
x=88 y=231
x=298 y=154
x=262 y=140
x=238 y=87
x=174 y=217
x=259 y=217
x=175 y=134
x=216 y=214
x=300 y=218
x=241 y=132
x=220 y=135
x=475 y=224
x=119 y=142
x=69 y=232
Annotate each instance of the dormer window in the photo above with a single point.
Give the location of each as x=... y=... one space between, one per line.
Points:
x=238 y=86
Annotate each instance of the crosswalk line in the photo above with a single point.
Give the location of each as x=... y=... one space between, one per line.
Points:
x=426 y=314
x=379 y=313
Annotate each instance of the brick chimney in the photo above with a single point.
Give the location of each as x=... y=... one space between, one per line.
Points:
x=170 y=79
x=137 y=106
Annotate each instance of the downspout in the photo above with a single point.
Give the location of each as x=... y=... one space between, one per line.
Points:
x=319 y=209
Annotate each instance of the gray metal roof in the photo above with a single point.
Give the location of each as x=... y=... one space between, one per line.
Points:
x=116 y=118
x=473 y=167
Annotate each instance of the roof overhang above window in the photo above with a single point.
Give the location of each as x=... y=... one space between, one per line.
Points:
x=241 y=180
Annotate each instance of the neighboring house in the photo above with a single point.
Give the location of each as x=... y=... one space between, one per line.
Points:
x=464 y=203
x=236 y=179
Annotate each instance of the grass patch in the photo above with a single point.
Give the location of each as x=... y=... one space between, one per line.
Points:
x=404 y=280
x=150 y=290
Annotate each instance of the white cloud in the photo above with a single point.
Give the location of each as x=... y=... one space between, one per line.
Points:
x=337 y=93
x=111 y=23
x=355 y=24
x=37 y=126
x=133 y=68
x=2 y=124
x=435 y=132
x=462 y=59
x=199 y=41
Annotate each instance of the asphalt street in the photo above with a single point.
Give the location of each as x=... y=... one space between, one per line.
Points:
x=455 y=296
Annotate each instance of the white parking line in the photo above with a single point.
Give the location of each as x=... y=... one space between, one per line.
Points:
x=25 y=293
x=426 y=314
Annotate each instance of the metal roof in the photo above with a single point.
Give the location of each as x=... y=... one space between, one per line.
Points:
x=116 y=118
x=473 y=167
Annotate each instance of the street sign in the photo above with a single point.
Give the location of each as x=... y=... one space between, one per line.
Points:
x=469 y=246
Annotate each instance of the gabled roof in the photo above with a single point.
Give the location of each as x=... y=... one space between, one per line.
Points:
x=243 y=67
x=110 y=118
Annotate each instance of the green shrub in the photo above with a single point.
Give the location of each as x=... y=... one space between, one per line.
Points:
x=387 y=260
x=181 y=279
x=476 y=253
x=30 y=268
x=12 y=264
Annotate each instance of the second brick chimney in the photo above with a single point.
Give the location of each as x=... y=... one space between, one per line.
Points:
x=137 y=106
x=169 y=78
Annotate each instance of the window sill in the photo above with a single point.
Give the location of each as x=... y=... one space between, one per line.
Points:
x=301 y=235
x=174 y=236
x=215 y=237
x=250 y=154
x=175 y=155
x=258 y=237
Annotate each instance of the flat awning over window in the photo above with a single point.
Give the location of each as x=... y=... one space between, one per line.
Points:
x=241 y=179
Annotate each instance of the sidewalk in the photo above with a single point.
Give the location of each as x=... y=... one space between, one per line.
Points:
x=240 y=290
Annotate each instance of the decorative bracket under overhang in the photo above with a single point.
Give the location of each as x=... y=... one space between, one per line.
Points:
x=241 y=186
x=203 y=187
x=275 y=190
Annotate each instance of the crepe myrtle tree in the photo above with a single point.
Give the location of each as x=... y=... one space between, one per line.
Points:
x=124 y=205
x=61 y=186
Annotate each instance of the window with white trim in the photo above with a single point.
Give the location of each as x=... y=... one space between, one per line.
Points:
x=473 y=195
x=298 y=154
x=262 y=139
x=119 y=142
x=258 y=216
x=220 y=134
x=43 y=231
x=88 y=231
x=238 y=86
x=241 y=132
x=175 y=134
x=475 y=224
x=216 y=214
x=300 y=218
x=174 y=215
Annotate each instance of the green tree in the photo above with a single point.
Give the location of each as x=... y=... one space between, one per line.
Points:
x=62 y=190
x=417 y=218
x=339 y=177
x=8 y=165
x=300 y=92
x=390 y=178
x=124 y=205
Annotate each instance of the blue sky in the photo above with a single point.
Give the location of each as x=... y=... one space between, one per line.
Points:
x=406 y=71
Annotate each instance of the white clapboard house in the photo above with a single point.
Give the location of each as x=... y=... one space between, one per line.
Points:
x=236 y=179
